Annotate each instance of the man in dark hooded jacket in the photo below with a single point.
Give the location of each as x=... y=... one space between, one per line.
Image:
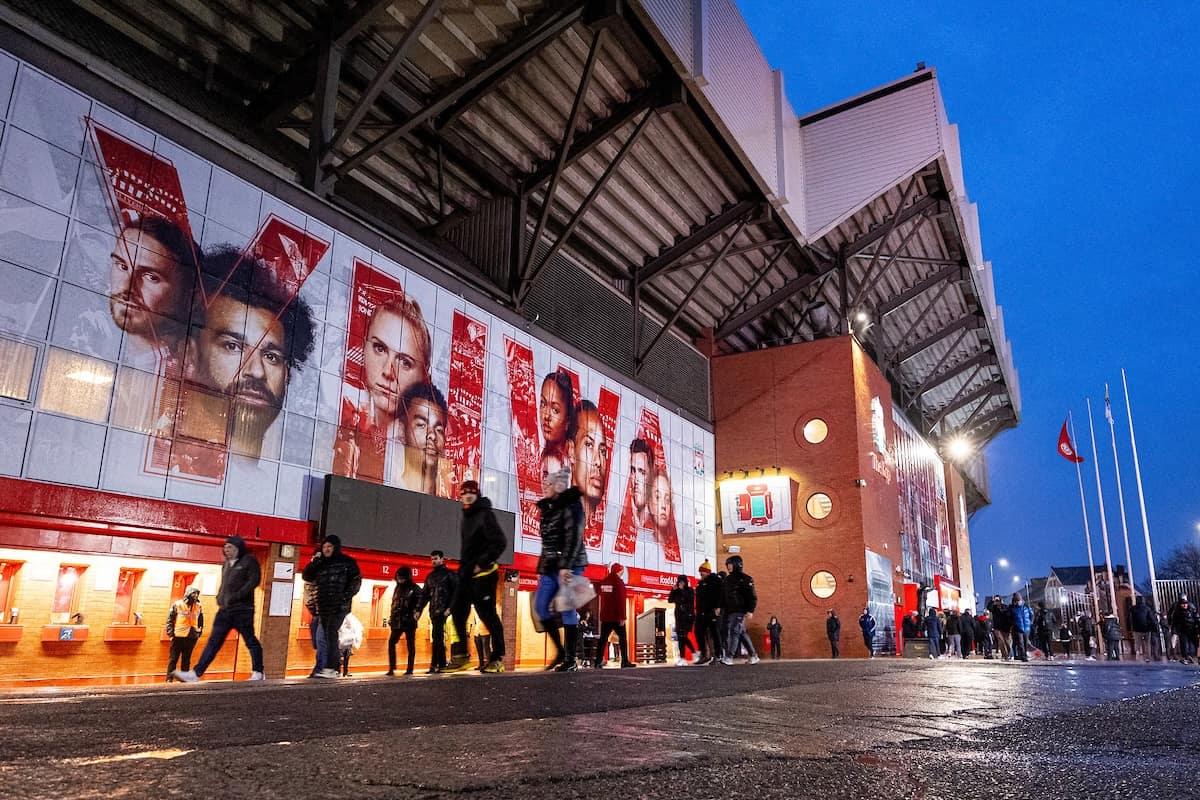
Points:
x=708 y=608
x=438 y=594
x=478 y=578
x=563 y=556
x=338 y=579
x=240 y=576
x=737 y=605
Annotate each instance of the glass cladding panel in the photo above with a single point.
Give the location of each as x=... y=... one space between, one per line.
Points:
x=31 y=235
x=14 y=433
x=38 y=171
x=49 y=110
x=76 y=385
x=17 y=360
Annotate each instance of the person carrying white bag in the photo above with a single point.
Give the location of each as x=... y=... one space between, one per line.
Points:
x=563 y=557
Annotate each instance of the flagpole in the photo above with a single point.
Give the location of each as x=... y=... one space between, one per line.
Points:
x=1112 y=589
x=1137 y=471
x=1086 y=529
x=1112 y=431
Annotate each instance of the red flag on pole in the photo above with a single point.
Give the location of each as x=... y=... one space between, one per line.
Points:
x=1065 y=448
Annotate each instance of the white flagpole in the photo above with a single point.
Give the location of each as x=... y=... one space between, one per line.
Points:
x=1137 y=471
x=1087 y=533
x=1112 y=589
x=1112 y=431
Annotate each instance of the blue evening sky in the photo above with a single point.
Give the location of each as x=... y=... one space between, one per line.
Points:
x=1078 y=127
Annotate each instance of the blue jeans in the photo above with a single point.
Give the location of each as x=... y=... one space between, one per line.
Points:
x=328 y=627
x=547 y=588
x=318 y=642
x=735 y=628
x=236 y=619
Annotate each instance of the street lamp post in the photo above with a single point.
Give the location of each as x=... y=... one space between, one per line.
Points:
x=1002 y=562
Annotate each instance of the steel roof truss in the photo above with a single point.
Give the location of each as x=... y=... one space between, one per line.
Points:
x=936 y=378
x=891 y=227
x=916 y=323
x=987 y=396
x=879 y=232
x=774 y=299
x=869 y=280
x=762 y=274
x=964 y=324
x=668 y=259
x=527 y=279
x=640 y=358
x=328 y=75
x=384 y=75
x=497 y=66
x=918 y=289
x=959 y=400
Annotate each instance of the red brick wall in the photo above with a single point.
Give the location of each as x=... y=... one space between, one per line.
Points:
x=761 y=401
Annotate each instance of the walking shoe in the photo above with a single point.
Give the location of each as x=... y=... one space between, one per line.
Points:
x=434 y=671
x=567 y=666
x=554 y=665
x=680 y=662
x=727 y=661
x=628 y=665
x=391 y=673
x=187 y=676
x=457 y=664
x=408 y=672
x=493 y=666
x=327 y=673
x=256 y=676
x=756 y=659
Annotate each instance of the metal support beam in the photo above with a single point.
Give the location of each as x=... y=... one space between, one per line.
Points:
x=737 y=251
x=869 y=279
x=667 y=259
x=899 y=259
x=919 y=288
x=983 y=401
x=995 y=425
x=329 y=70
x=495 y=67
x=640 y=358
x=585 y=82
x=1003 y=414
x=775 y=298
x=384 y=75
x=652 y=97
x=958 y=401
x=879 y=232
x=843 y=273
x=935 y=379
x=528 y=279
x=968 y=322
x=892 y=225
x=762 y=274
x=902 y=341
x=936 y=367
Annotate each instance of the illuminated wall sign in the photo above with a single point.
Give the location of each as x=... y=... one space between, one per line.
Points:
x=756 y=505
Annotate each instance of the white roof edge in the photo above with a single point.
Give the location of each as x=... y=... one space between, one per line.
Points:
x=870 y=94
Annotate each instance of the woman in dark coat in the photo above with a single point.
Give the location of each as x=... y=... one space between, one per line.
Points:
x=774 y=629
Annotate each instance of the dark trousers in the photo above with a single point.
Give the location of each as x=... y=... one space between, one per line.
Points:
x=775 y=647
x=410 y=641
x=437 y=629
x=345 y=661
x=682 y=633
x=607 y=629
x=330 y=624
x=1020 y=645
x=181 y=654
x=479 y=592
x=236 y=619
x=708 y=636
x=833 y=647
x=869 y=642
x=1045 y=643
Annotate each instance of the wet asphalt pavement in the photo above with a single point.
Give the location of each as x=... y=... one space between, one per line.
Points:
x=847 y=729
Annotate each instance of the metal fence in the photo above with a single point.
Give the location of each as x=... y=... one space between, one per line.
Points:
x=1170 y=591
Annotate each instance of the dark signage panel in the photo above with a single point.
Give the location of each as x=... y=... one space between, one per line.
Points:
x=376 y=517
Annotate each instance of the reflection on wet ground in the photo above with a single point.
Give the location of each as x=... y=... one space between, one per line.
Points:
x=882 y=728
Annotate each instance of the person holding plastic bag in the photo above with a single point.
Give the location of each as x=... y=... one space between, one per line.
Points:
x=563 y=557
x=350 y=637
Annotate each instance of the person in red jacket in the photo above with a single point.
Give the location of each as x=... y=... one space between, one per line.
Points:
x=612 y=616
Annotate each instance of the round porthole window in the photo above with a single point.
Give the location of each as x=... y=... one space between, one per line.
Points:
x=815 y=431
x=823 y=584
x=819 y=506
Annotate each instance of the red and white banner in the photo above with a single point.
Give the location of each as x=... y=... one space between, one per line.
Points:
x=468 y=355
x=649 y=499
x=526 y=450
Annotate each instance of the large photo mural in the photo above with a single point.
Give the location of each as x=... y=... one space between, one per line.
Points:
x=169 y=330
x=924 y=521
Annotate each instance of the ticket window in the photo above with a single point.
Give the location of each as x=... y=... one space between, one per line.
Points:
x=179 y=583
x=68 y=595
x=128 y=597
x=9 y=612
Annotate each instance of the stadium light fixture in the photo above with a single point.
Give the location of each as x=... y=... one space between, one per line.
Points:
x=959 y=448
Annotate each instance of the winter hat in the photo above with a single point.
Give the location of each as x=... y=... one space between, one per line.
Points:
x=237 y=542
x=469 y=486
x=192 y=588
x=404 y=573
x=333 y=539
x=615 y=569
x=705 y=567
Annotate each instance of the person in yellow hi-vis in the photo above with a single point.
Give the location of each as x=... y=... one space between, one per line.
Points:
x=185 y=623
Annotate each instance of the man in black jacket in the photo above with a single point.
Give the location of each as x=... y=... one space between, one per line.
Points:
x=833 y=632
x=438 y=595
x=338 y=579
x=708 y=608
x=406 y=605
x=738 y=601
x=478 y=577
x=1144 y=622
x=240 y=576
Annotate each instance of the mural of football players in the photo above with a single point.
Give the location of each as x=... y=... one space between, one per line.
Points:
x=396 y=356
x=152 y=278
x=641 y=465
x=424 y=422
x=557 y=417
x=589 y=456
x=243 y=344
x=662 y=506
